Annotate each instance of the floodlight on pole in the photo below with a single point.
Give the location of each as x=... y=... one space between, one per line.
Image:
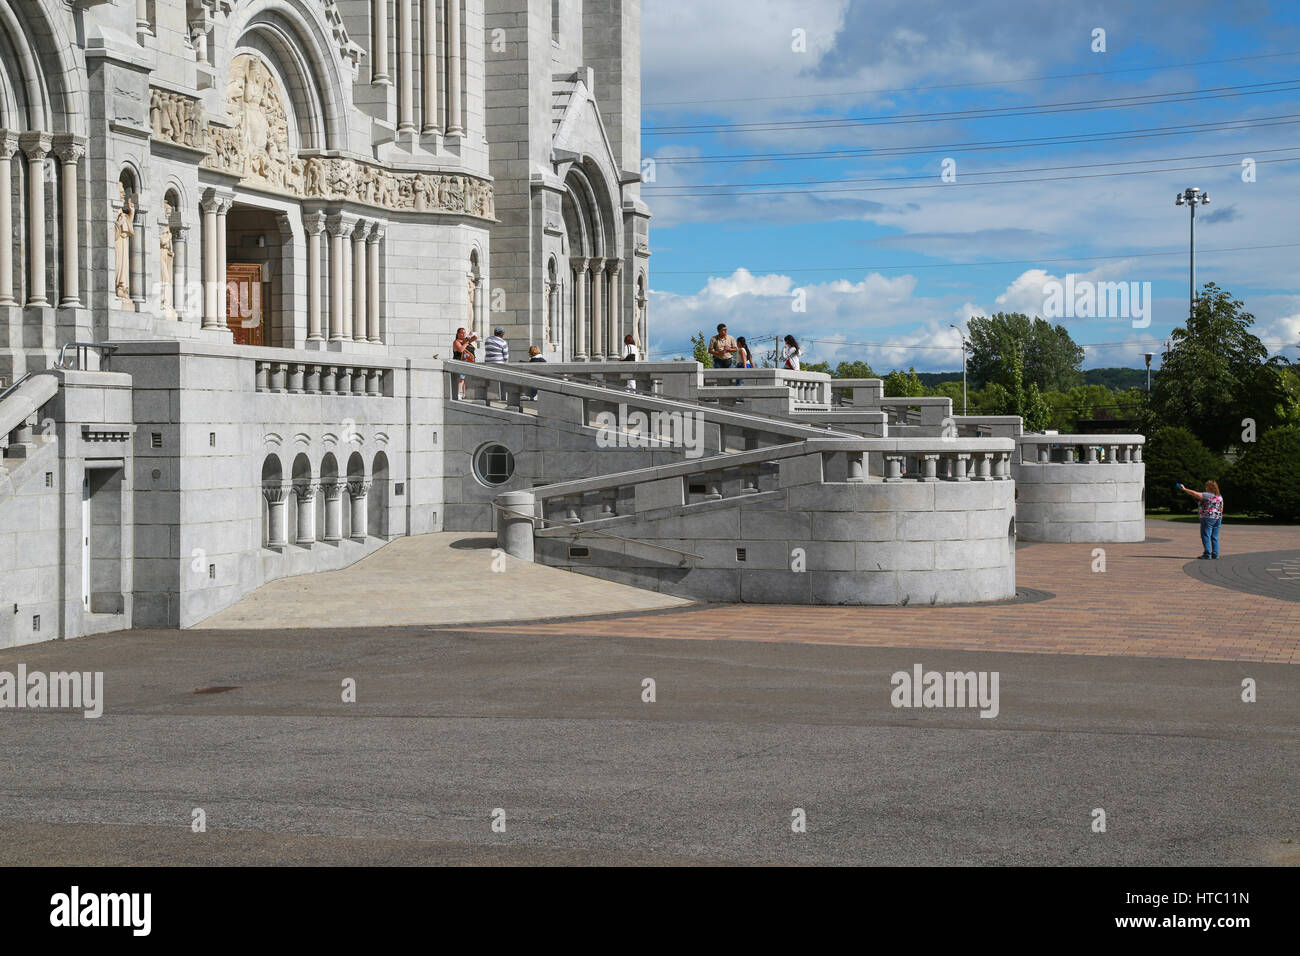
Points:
x=1148 y=356
x=1191 y=197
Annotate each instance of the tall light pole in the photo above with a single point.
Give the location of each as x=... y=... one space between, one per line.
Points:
x=963 y=367
x=1148 y=356
x=1190 y=197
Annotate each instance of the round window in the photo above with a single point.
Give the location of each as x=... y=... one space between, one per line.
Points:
x=494 y=465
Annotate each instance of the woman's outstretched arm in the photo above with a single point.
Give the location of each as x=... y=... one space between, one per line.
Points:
x=1194 y=494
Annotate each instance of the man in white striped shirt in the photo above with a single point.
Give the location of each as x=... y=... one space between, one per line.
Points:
x=497 y=349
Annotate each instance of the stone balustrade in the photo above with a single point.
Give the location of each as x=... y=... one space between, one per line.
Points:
x=631 y=412
x=806 y=389
x=1079 y=449
x=322 y=378
x=1080 y=487
x=680 y=380
x=826 y=521
x=853 y=461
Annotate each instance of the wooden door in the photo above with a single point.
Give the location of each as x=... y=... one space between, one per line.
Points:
x=244 y=303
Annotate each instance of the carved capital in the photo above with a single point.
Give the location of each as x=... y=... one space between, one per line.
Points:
x=358 y=488
x=596 y=263
x=36 y=146
x=377 y=230
x=275 y=491
x=314 y=223
x=8 y=143
x=70 y=149
x=305 y=490
x=339 y=225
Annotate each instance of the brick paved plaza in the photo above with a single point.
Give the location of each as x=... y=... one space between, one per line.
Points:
x=1144 y=604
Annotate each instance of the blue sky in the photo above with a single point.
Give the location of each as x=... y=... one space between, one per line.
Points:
x=885 y=252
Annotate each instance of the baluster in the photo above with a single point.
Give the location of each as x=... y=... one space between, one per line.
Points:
x=607 y=502
x=893 y=468
x=263 y=376
x=857 y=467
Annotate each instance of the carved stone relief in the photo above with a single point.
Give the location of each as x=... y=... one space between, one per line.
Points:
x=256 y=148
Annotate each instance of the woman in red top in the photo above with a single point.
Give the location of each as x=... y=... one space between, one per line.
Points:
x=1211 y=517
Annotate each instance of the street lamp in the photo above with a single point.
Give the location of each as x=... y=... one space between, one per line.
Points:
x=963 y=366
x=1148 y=356
x=1190 y=197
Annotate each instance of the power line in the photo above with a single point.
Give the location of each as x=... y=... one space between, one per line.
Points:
x=1033 y=142
x=1245 y=151
x=997 y=112
x=705 y=190
x=969 y=265
x=983 y=83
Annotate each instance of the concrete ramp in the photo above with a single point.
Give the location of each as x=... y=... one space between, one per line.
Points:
x=445 y=578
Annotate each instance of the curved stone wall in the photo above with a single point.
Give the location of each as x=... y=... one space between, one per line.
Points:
x=791 y=537
x=1069 y=490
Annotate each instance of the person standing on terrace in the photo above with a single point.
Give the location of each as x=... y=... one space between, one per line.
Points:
x=1211 y=509
x=723 y=348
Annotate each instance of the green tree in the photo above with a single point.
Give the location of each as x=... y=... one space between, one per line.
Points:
x=1266 y=478
x=700 y=342
x=903 y=384
x=1010 y=396
x=1216 y=374
x=818 y=367
x=1051 y=357
x=1176 y=455
x=854 y=370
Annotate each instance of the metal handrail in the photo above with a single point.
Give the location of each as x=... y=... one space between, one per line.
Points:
x=82 y=347
x=598 y=533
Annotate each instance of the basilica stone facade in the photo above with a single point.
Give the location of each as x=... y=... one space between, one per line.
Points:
x=266 y=220
x=237 y=238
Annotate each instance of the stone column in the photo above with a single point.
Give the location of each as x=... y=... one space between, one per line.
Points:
x=347 y=280
x=597 y=308
x=454 y=124
x=8 y=146
x=211 y=287
x=379 y=44
x=70 y=151
x=180 y=270
x=357 y=491
x=359 y=290
x=614 y=347
x=339 y=231
x=406 y=69
x=36 y=146
x=372 y=282
x=315 y=224
x=333 y=489
x=429 y=66
x=553 y=312
x=275 y=493
x=142 y=26
x=139 y=267
x=306 y=493
x=580 y=309
x=222 y=291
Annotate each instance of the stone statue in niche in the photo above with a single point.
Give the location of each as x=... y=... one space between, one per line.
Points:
x=470 y=310
x=166 y=262
x=124 y=229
